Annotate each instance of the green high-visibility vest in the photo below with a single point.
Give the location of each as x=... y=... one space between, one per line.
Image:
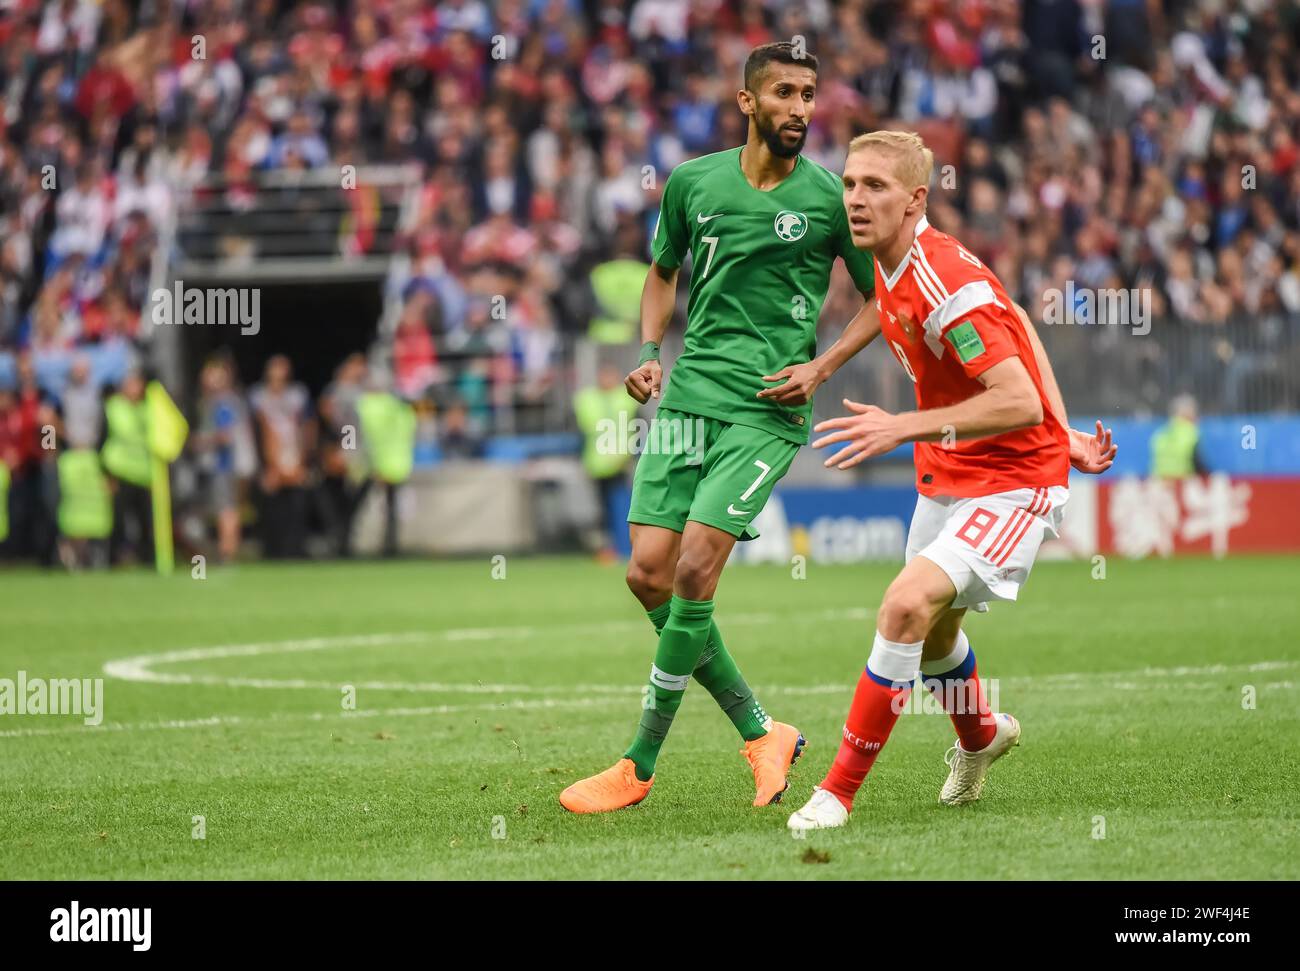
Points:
x=85 y=503
x=388 y=429
x=617 y=285
x=605 y=418
x=4 y=502
x=1173 y=449
x=126 y=449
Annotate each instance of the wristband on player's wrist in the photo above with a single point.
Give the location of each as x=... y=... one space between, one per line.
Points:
x=649 y=352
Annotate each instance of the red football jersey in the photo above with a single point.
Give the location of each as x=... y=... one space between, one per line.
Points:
x=948 y=320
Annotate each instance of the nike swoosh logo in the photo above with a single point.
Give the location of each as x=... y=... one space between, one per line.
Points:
x=732 y=510
x=703 y=218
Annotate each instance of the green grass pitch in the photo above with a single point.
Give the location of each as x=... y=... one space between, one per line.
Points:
x=478 y=699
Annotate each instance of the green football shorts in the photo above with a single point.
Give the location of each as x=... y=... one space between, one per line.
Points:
x=706 y=470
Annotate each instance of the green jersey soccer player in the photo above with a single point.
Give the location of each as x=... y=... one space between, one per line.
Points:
x=763 y=227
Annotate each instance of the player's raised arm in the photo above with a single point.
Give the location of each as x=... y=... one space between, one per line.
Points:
x=1050 y=387
x=1092 y=453
x=1009 y=401
x=860 y=331
x=802 y=380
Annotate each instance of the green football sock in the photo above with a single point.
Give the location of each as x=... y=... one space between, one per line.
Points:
x=717 y=671
x=681 y=642
x=659 y=616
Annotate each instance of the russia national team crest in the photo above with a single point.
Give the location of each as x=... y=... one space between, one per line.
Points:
x=790 y=226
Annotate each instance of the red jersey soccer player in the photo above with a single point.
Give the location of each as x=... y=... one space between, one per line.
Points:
x=993 y=456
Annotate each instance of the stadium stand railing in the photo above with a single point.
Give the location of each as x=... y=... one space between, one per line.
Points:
x=286 y=225
x=1250 y=363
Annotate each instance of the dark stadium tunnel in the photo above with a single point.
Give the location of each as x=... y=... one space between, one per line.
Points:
x=317 y=323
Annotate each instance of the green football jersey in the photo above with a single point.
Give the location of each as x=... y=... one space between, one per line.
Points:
x=761 y=267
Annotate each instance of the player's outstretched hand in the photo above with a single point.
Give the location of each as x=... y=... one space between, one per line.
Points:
x=801 y=380
x=1093 y=454
x=869 y=431
x=644 y=382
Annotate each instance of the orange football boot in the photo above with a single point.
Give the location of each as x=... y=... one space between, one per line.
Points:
x=769 y=757
x=615 y=788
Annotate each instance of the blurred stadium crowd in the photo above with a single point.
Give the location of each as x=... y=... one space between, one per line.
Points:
x=1111 y=143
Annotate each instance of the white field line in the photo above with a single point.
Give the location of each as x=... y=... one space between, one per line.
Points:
x=220 y=721
x=342 y=717
x=140 y=668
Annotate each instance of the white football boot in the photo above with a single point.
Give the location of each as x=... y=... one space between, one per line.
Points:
x=968 y=769
x=822 y=811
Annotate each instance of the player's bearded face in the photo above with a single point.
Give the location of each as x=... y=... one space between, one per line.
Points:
x=783 y=107
x=784 y=139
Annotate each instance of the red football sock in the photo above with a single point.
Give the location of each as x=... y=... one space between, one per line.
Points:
x=974 y=721
x=875 y=708
x=959 y=690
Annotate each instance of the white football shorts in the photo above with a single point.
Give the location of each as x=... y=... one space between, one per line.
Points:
x=987 y=544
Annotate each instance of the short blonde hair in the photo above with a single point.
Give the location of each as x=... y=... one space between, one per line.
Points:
x=913 y=161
